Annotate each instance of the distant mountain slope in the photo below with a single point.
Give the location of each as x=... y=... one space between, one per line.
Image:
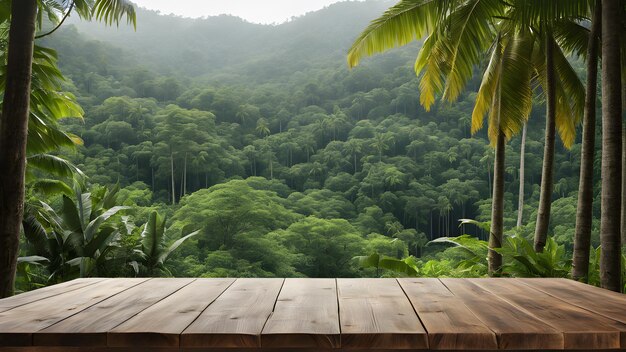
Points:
x=169 y=43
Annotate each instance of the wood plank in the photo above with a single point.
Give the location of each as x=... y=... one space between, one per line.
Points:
x=45 y=292
x=306 y=315
x=90 y=327
x=515 y=328
x=595 y=299
x=449 y=323
x=176 y=349
x=375 y=313
x=237 y=317
x=581 y=329
x=161 y=324
x=17 y=325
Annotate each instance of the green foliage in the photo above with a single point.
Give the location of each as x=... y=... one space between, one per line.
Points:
x=407 y=266
x=322 y=248
x=79 y=239
x=153 y=250
x=287 y=163
x=521 y=260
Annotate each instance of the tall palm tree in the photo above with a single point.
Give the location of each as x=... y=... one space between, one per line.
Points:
x=610 y=275
x=520 y=200
x=547 y=169
x=13 y=130
x=457 y=39
x=381 y=143
x=582 y=236
x=262 y=128
x=353 y=146
x=564 y=108
x=25 y=17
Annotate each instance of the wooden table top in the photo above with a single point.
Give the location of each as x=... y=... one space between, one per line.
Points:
x=160 y=314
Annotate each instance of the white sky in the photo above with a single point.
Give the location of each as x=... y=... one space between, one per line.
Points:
x=257 y=11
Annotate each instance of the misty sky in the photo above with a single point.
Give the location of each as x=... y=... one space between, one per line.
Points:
x=257 y=11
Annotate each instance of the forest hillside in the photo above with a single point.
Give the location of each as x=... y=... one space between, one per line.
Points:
x=279 y=160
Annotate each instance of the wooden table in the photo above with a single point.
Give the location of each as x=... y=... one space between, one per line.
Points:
x=167 y=315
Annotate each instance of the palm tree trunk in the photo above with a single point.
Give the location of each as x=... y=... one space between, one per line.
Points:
x=623 y=199
x=582 y=236
x=520 y=201
x=610 y=275
x=547 y=172
x=13 y=137
x=497 y=207
x=623 y=217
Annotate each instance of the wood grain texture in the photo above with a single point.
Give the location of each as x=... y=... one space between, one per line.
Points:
x=17 y=325
x=161 y=324
x=597 y=332
x=306 y=315
x=90 y=327
x=449 y=323
x=515 y=328
x=375 y=313
x=595 y=299
x=276 y=315
x=237 y=317
x=45 y=292
x=175 y=349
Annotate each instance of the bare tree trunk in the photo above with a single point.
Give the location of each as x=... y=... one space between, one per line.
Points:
x=185 y=176
x=547 y=172
x=520 y=201
x=182 y=182
x=582 y=236
x=13 y=137
x=173 y=182
x=610 y=275
x=497 y=207
x=271 y=168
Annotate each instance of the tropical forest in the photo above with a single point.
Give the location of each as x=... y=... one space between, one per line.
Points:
x=419 y=138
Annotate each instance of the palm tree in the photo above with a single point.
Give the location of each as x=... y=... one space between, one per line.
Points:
x=153 y=250
x=565 y=97
x=262 y=128
x=582 y=236
x=458 y=36
x=547 y=171
x=243 y=113
x=15 y=110
x=80 y=237
x=610 y=274
x=381 y=144
x=308 y=145
x=354 y=147
x=13 y=131
x=520 y=200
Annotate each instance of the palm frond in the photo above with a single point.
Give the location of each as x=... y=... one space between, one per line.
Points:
x=570 y=93
x=399 y=25
x=516 y=93
x=488 y=86
x=50 y=187
x=54 y=165
x=572 y=37
x=112 y=11
x=539 y=14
